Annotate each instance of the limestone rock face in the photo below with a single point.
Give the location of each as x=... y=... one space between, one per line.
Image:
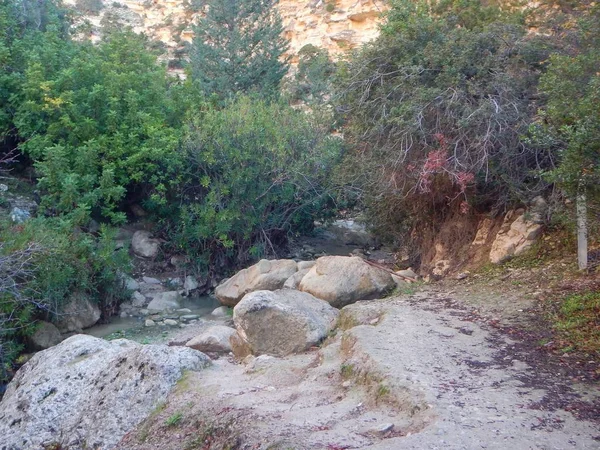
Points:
x=516 y=235
x=341 y=280
x=283 y=322
x=335 y=26
x=88 y=392
x=46 y=335
x=264 y=275
x=79 y=313
x=215 y=339
x=143 y=245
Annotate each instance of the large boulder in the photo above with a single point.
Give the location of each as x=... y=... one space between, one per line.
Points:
x=341 y=280
x=46 y=335
x=144 y=245
x=77 y=314
x=87 y=392
x=164 y=301
x=214 y=340
x=517 y=234
x=264 y=275
x=283 y=321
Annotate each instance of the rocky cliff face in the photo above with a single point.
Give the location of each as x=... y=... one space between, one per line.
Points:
x=336 y=25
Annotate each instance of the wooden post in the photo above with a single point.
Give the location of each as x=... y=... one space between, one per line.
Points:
x=582 y=229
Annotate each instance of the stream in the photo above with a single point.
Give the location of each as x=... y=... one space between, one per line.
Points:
x=133 y=327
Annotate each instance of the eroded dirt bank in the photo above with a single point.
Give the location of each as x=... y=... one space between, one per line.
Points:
x=410 y=372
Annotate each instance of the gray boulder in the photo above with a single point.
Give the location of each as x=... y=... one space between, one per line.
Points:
x=283 y=322
x=131 y=284
x=138 y=300
x=341 y=280
x=264 y=275
x=190 y=284
x=221 y=311
x=46 y=335
x=78 y=314
x=88 y=392
x=163 y=301
x=143 y=245
x=294 y=281
x=214 y=340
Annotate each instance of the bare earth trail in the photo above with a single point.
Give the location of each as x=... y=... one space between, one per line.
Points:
x=410 y=372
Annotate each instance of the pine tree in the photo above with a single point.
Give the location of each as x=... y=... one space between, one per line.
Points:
x=238 y=47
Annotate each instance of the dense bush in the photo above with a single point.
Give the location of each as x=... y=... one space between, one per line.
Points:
x=102 y=127
x=435 y=110
x=43 y=262
x=255 y=172
x=312 y=81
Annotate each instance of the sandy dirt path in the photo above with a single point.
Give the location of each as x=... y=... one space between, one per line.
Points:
x=412 y=372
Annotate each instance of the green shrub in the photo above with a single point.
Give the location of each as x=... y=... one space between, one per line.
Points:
x=255 y=172
x=44 y=261
x=90 y=6
x=578 y=322
x=102 y=127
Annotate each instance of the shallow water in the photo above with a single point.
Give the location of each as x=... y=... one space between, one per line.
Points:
x=133 y=327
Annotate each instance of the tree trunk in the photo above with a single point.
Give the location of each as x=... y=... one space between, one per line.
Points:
x=582 y=231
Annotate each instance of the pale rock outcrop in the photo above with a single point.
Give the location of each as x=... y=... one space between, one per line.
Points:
x=517 y=234
x=88 y=392
x=341 y=280
x=264 y=275
x=282 y=322
x=164 y=301
x=77 y=314
x=46 y=335
x=144 y=245
x=214 y=340
x=335 y=26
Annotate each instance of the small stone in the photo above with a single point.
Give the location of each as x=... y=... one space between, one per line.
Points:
x=149 y=323
x=462 y=275
x=381 y=430
x=179 y=260
x=151 y=280
x=189 y=317
x=171 y=322
x=184 y=310
x=144 y=312
x=175 y=282
x=123 y=315
x=407 y=273
x=346 y=384
x=131 y=284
